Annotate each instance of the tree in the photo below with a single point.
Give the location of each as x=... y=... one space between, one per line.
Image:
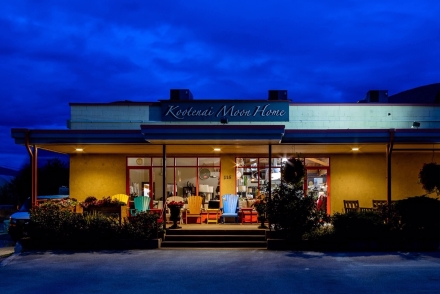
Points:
x=51 y=176
x=288 y=210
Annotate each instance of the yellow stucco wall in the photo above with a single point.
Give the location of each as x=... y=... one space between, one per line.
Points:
x=97 y=175
x=357 y=177
x=228 y=175
x=363 y=177
x=405 y=170
x=352 y=177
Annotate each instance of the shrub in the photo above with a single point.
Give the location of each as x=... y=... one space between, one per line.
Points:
x=53 y=225
x=142 y=226
x=49 y=220
x=359 y=225
x=416 y=217
x=292 y=214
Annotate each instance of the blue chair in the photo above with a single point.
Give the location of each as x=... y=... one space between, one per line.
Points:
x=141 y=204
x=230 y=207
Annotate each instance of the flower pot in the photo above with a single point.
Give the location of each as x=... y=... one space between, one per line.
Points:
x=174 y=216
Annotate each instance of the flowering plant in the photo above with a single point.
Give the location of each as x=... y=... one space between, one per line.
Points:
x=104 y=202
x=178 y=204
x=69 y=202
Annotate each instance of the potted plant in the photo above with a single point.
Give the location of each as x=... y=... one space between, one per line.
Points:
x=260 y=207
x=175 y=207
x=429 y=177
x=106 y=206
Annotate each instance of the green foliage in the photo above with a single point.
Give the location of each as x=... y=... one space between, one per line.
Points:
x=429 y=177
x=293 y=171
x=50 y=221
x=142 y=226
x=91 y=202
x=358 y=225
x=416 y=216
x=56 y=225
x=290 y=213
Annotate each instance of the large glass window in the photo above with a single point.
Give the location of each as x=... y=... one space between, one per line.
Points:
x=185 y=176
x=252 y=173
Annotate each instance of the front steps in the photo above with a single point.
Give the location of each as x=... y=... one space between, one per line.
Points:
x=214 y=239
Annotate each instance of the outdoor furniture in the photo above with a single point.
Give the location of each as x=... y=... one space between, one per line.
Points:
x=210 y=212
x=378 y=203
x=230 y=207
x=247 y=215
x=141 y=204
x=121 y=198
x=213 y=211
x=194 y=208
x=351 y=205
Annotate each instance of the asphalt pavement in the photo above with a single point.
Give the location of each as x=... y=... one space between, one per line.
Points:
x=220 y=270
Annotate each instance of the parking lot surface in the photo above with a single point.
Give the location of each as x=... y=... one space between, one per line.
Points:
x=219 y=270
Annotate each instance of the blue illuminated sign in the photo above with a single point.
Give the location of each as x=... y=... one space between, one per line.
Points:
x=207 y=110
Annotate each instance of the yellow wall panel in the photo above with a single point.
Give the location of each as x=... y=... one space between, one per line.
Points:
x=97 y=175
x=405 y=171
x=357 y=177
x=228 y=175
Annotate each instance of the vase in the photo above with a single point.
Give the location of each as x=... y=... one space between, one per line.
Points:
x=174 y=216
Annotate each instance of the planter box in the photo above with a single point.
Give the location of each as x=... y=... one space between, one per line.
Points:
x=120 y=211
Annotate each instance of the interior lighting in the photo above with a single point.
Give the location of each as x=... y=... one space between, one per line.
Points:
x=355 y=149
x=79 y=149
x=217 y=149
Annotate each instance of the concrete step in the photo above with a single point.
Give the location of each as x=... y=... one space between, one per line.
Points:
x=214 y=238
x=215 y=232
x=205 y=238
x=214 y=244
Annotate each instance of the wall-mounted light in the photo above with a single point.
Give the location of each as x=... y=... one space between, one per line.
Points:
x=415 y=125
x=79 y=149
x=217 y=149
x=355 y=149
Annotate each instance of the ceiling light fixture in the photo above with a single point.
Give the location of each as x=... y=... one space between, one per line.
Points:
x=79 y=149
x=217 y=149
x=355 y=149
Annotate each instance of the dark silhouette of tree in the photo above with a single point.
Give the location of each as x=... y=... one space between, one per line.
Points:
x=51 y=176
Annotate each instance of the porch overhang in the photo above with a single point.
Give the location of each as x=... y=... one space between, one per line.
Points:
x=271 y=134
x=364 y=136
x=37 y=137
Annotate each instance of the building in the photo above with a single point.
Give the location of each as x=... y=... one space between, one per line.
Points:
x=363 y=151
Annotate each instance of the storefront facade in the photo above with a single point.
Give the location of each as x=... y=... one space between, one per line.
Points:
x=358 y=151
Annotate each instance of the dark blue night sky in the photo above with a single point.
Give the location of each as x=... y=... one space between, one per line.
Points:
x=56 y=52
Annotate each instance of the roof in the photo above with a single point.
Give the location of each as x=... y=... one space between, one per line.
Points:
x=424 y=94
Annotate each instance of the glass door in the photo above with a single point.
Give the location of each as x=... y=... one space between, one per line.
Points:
x=140 y=183
x=316 y=182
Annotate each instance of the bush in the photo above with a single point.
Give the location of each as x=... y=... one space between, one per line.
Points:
x=142 y=226
x=416 y=217
x=359 y=225
x=291 y=214
x=55 y=226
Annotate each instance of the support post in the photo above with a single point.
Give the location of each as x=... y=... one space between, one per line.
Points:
x=270 y=180
x=164 y=190
x=390 y=146
x=34 y=170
